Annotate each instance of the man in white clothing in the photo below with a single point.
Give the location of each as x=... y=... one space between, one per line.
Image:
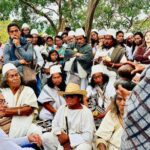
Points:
x=73 y=125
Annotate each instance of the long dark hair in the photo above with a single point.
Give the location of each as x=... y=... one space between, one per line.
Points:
x=114 y=43
x=105 y=80
x=40 y=41
x=49 y=55
x=23 y=35
x=62 y=85
x=93 y=42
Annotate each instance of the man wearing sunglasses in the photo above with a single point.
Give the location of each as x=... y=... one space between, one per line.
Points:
x=16 y=47
x=73 y=125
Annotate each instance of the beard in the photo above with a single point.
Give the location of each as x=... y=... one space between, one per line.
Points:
x=107 y=46
x=139 y=43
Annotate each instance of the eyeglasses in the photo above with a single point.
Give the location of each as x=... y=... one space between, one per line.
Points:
x=12 y=31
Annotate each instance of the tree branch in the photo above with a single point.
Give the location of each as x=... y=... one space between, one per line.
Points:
x=52 y=10
x=148 y=18
x=60 y=14
x=40 y=13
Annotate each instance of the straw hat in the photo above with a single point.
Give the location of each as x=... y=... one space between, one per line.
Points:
x=72 y=89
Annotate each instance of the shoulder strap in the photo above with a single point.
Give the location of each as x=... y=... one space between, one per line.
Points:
x=19 y=93
x=20 y=57
x=117 y=54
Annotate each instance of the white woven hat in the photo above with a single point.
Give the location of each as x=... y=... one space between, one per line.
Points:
x=25 y=25
x=8 y=67
x=59 y=33
x=71 y=33
x=99 y=69
x=55 y=69
x=128 y=34
x=102 y=32
x=94 y=30
x=79 y=32
x=34 y=31
x=111 y=32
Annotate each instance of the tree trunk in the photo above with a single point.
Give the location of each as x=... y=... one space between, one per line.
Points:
x=62 y=25
x=92 y=4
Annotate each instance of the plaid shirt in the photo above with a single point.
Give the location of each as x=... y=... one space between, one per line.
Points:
x=136 y=134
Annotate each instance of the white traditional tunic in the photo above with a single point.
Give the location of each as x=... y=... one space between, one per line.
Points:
x=22 y=125
x=80 y=128
x=110 y=131
x=92 y=92
x=49 y=95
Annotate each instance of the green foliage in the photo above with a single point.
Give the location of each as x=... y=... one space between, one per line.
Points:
x=142 y=25
x=119 y=14
x=3 y=31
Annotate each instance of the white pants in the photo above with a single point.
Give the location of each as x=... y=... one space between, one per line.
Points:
x=50 y=142
x=83 y=82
